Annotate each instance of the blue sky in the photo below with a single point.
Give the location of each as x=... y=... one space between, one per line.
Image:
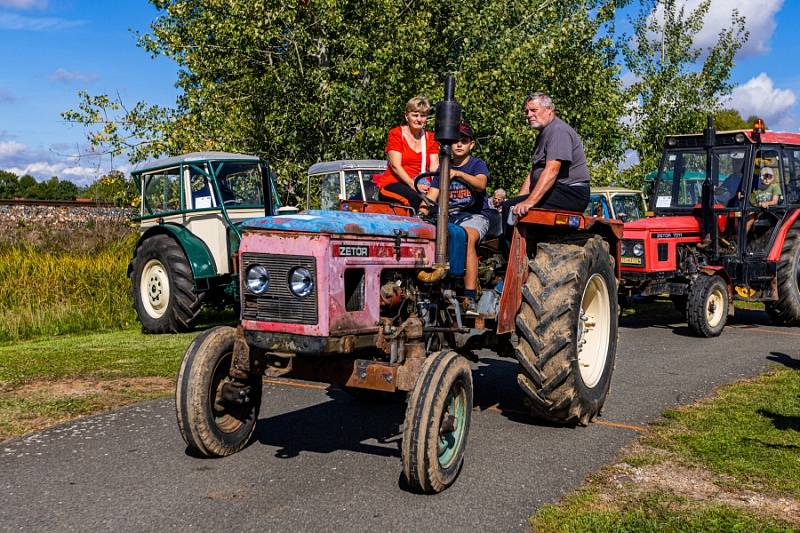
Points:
x=54 y=48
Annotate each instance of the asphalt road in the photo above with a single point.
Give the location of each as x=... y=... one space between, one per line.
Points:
x=321 y=461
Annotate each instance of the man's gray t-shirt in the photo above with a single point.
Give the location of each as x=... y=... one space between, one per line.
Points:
x=558 y=141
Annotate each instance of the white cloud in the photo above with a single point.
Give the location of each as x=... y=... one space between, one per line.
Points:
x=24 y=4
x=760 y=97
x=70 y=76
x=11 y=21
x=11 y=148
x=759 y=21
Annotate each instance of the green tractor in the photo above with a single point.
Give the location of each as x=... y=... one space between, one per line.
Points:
x=191 y=208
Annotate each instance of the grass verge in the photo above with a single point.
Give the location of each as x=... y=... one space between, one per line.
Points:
x=729 y=463
x=46 y=381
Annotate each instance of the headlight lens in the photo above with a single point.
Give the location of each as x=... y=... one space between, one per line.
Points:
x=623 y=249
x=638 y=249
x=301 y=282
x=257 y=279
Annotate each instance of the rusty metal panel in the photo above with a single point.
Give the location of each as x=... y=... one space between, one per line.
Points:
x=516 y=275
x=373 y=375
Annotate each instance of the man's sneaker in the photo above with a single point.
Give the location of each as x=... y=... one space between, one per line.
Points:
x=471 y=308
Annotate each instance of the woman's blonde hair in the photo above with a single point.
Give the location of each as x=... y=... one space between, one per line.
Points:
x=418 y=104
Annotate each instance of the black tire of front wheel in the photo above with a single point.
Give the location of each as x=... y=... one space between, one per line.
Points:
x=184 y=304
x=207 y=430
x=442 y=372
x=786 y=311
x=547 y=330
x=697 y=302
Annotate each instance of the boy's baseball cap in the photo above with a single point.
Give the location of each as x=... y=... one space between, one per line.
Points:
x=465 y=130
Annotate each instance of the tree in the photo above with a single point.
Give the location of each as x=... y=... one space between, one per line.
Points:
x=113 y=188
x=677 y=85
x=27 y=186
x=299 y=82
x=730 y=119
x=8 y=184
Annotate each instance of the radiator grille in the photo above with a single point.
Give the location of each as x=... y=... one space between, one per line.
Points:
x=278 y=304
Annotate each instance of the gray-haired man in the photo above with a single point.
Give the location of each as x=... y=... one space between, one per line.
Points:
x=559 y=177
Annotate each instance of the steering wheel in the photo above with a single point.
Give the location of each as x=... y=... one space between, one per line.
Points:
x=473 y=194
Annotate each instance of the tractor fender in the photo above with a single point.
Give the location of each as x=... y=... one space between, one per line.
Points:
x=716 y=270
x=197 y=253
x=786 y=225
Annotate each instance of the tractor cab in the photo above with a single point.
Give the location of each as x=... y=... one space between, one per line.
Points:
x=331 y=182
x=724 y=205
x=618 y=203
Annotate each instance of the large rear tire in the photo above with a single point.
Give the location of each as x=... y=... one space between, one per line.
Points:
x=707 y=305
x=437 y=422
x=566 y=330
x=786 y=311
x=163 y=286
x=211 y=426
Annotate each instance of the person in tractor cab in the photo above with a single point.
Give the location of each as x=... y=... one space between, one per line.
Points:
x=765 y=195
x=559 y=176
x=410 y=150
x=474 y=217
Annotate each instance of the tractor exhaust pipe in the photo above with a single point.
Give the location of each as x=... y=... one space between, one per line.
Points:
x=710 y=228
x=448 y=117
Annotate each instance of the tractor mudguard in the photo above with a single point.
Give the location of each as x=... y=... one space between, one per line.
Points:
x=197 y=253
x=786 y=225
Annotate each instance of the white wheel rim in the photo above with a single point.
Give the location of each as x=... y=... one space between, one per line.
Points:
x=594 y=330
x=154 y=288
x=714 y=307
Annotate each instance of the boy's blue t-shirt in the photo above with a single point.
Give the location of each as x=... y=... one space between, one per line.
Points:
x=460 y=195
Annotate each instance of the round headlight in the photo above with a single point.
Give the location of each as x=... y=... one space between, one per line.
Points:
x=638 y=249
x=257 y=279
x=623 y=248
x=301 y=282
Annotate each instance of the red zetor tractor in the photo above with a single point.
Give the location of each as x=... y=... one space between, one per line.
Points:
x=726 y=226
x=370 y=302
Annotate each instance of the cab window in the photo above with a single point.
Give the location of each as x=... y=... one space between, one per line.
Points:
x=791 y=177
x=200 y=188
x=162 y=192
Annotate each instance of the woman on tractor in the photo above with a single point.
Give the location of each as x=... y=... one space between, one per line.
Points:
x=410 y=150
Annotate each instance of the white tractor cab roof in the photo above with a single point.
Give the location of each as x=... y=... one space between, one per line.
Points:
x=329 y=182
x=190 y=158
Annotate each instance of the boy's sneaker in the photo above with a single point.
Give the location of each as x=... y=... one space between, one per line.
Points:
x=471 y=307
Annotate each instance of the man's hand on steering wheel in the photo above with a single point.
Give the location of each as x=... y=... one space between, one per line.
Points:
x=433 y=203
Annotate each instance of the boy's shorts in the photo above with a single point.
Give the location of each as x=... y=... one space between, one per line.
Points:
x=471 y=220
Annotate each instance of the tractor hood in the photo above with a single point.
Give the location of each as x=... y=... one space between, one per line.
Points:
x=676 y=224
x=344 y=223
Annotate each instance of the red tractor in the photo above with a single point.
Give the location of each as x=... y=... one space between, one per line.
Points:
x=726 y=227
x=367 y=299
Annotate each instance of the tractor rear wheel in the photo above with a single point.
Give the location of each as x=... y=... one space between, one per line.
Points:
x=211 y=424
x=566 y=330
x=707 y=305
x=437 y=422
x=786 y=310
x=163 y=286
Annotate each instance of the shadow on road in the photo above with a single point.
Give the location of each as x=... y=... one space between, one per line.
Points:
x=786 y=360
x=341 y=423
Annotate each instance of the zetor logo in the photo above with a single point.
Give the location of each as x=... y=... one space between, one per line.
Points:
x=353 y=251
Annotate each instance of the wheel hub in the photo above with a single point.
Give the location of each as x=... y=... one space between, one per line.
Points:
x=155 y=288
x=593 y=330
x=714 y=308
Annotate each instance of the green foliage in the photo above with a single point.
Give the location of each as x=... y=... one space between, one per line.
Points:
x=8 y=184
x=115 y=189
x=299 y=82
x=677 y=85
x=730 y=119
x=28 y=187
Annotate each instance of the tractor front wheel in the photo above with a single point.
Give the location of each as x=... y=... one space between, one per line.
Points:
x=163 y=286
x=786 y=310
x=707 y=305
x=437 y=422
x=212 y=423
x=566 y=330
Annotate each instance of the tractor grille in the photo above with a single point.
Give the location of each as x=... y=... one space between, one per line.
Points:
x=278 y=304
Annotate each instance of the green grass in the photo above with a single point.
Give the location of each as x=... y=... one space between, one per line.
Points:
x=655 y=513
x=746 y=438
x=53 y=293
x=116 y=354
x=37 y=377
x=750 y=431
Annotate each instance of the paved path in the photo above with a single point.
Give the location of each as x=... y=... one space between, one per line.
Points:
x=324 y=462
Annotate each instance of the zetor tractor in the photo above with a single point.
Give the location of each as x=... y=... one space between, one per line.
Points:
x=191 y=209
x=722 y=230
x=369 y=302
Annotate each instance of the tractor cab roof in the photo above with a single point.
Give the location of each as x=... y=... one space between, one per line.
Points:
x=193 y=157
